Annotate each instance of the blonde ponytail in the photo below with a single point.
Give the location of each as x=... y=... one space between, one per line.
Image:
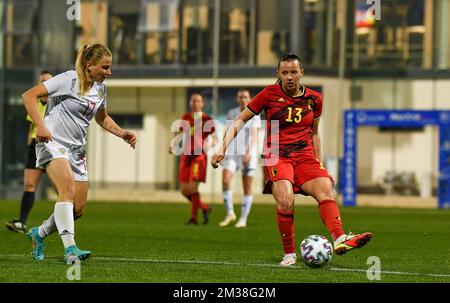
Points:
x=88 y=53
x=80 y=66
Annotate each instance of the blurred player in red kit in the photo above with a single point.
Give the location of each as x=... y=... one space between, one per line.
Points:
x=195 y=128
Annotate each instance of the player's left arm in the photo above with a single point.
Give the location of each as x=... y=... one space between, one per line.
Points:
x=316 y=138
x=108 y=124
x=230 y=134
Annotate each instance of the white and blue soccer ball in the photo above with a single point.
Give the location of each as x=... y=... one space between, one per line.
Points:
x=316 y=251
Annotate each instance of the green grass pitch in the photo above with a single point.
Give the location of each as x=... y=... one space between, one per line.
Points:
x=134 y=242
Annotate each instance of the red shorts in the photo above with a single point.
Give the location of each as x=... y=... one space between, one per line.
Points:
x=192 y=168
x=298 y=169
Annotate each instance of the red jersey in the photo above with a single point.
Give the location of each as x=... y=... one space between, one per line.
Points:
x=195 y=136
x=294 y=114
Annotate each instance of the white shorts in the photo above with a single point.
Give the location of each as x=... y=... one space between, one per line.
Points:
x=235 y=162
x=45 y=152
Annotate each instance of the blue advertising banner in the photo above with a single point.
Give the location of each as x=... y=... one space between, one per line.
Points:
x=394 y=119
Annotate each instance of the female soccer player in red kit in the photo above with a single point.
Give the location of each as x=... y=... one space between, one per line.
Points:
x=292 y=159
x=197 y=127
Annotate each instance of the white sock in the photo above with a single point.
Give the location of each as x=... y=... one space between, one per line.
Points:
x=65 y=222
x=48 y=227
x=247 y=202
x=228 y=201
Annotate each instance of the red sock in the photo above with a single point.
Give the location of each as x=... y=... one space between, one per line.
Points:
x=285 y=222
x=194 y=210
x=329 y=213
x=195 y=198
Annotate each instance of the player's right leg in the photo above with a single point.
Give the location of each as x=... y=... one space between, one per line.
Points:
x=227 y=194
x=284 y=196
x=184 y=174
x=73 y=253
x=197 y=174
x=61 y=174
x=196 y=200
x=247 y=199
x=186 y=192
x=279 y=177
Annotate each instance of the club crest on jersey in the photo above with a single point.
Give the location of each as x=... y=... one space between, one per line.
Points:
x=281 y=99
x=62 y=151
x=101 y=93
x=309 y=103
x=274 y=171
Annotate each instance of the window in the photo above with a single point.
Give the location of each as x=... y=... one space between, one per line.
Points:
x=197 y=31
x=19 y=22
x=396 y=41
x=129 y=121
x=273 y=30
x=321 y=33
x=237 y=32
x=123 y=24
x=158 y=27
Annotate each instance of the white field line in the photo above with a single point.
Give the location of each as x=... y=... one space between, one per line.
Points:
x=140 y=260
x=263 y=265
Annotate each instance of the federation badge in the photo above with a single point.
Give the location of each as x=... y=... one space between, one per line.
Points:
x=62 y=151
x=101 y=93
x=274 y=171
x=309 y=103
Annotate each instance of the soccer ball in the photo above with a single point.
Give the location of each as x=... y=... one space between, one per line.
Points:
x=316 y=251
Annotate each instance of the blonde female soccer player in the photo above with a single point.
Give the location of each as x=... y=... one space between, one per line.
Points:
x=77 y=96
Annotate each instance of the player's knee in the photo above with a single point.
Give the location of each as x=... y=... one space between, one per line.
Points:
x=225 y=186
x=185 y=192
x=285 y=203
x=325 y=194
x=193 y=190
x=29 y=187
x=67 y=193
x=248 y=190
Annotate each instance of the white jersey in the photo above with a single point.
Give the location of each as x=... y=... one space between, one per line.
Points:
x=241 y=142
x=68 y=115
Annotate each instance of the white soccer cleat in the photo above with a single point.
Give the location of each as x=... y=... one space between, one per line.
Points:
x=242 y=222
x=228 y=219
x=288 y=260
